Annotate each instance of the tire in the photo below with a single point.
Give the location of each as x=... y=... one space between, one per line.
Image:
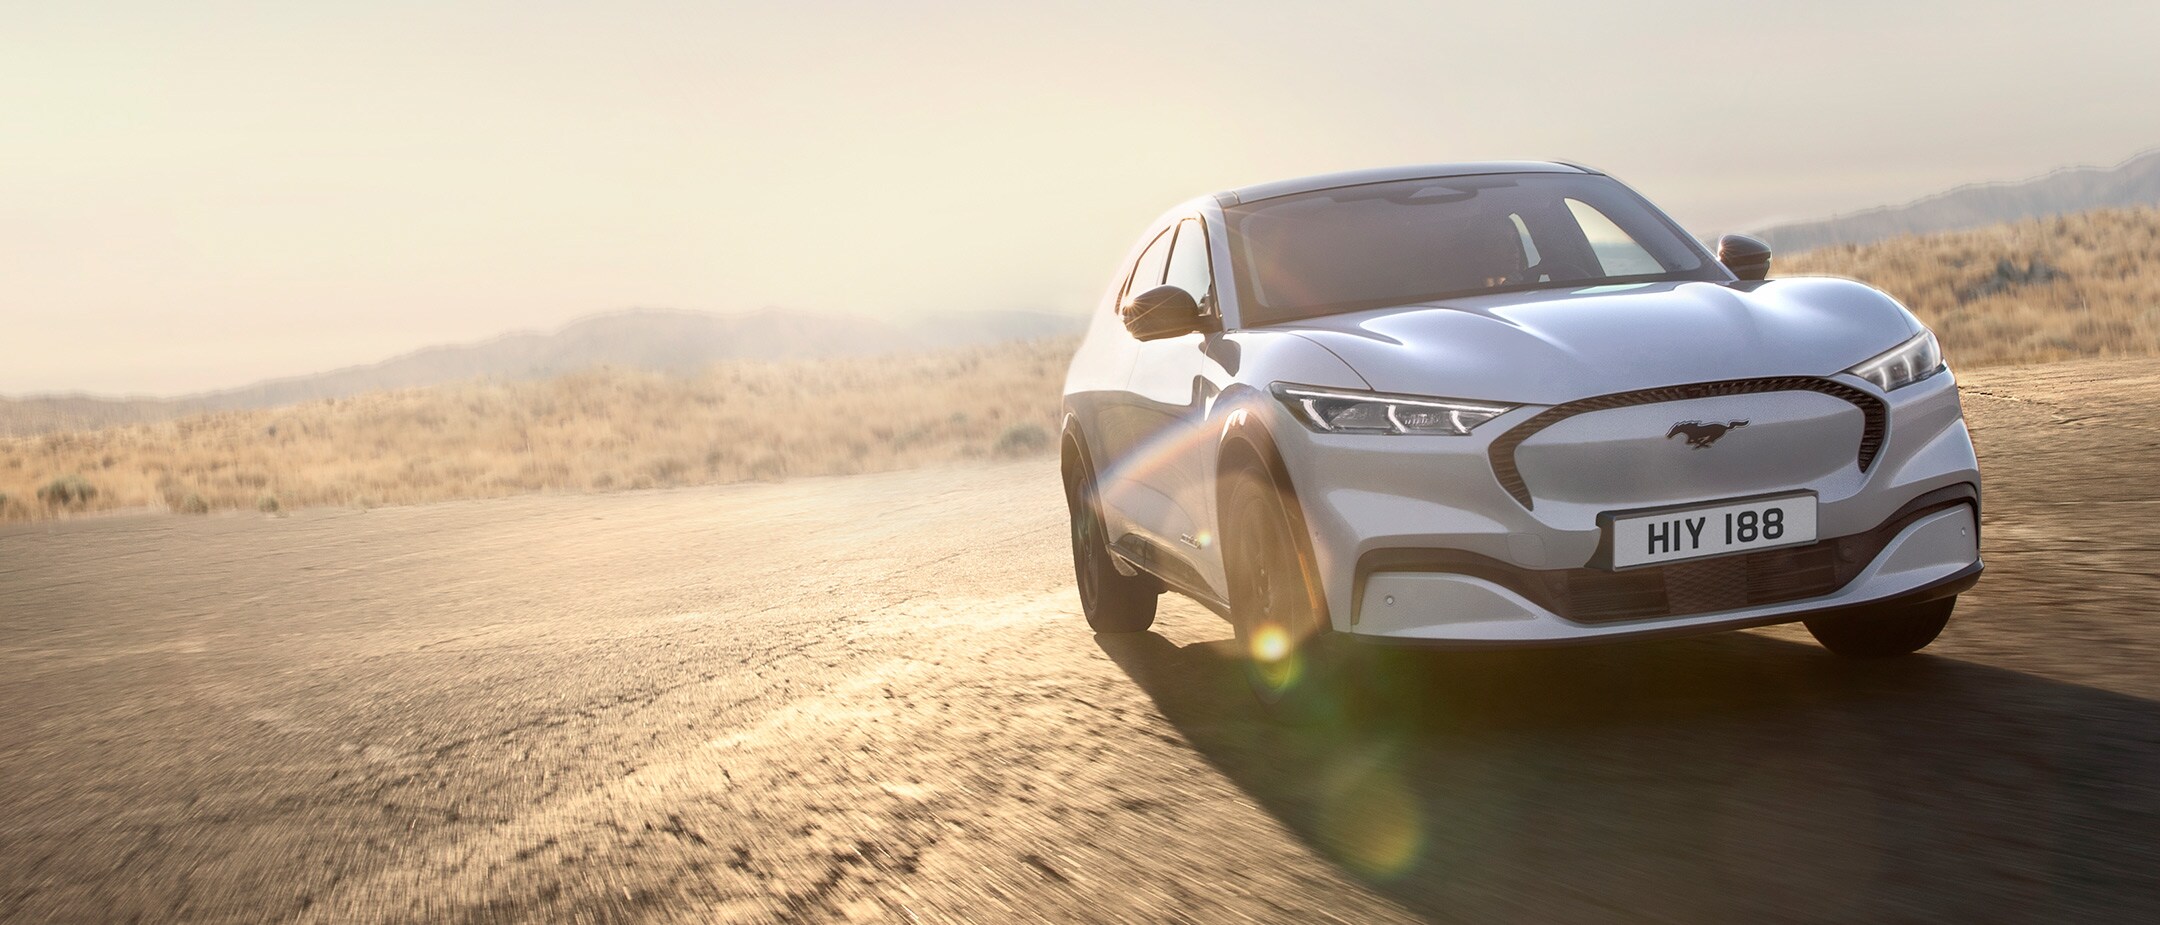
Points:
x=1292 y=662
x=1884 y=635
x=1113 y=602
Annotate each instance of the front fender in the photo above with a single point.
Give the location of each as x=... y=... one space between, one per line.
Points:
x=1247 y=441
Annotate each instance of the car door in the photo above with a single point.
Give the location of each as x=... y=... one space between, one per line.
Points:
x=1121 y=424
x=1173 y=385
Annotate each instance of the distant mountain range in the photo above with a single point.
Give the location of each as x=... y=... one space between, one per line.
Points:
x=649 y=339
x=2075 y=189
x=685 y=341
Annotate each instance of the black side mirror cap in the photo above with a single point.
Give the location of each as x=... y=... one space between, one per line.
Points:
x=1164 y=311
x=1746 y=257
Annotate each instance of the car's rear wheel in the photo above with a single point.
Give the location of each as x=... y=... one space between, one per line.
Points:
x=1884 y=635
x=1113 y=601
x=1292 y=660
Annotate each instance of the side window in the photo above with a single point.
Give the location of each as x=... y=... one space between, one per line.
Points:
x=1148 y=270
x=1618 y=253
x=1189 y=261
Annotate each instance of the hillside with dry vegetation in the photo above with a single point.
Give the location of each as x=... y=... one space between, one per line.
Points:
x=599 y=430
x=2045 y=289
x=2077 y=286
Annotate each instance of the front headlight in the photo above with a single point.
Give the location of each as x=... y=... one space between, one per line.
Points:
x=1340 y=411
x=1904 y=364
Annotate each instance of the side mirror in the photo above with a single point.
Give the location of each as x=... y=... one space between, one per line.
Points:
x=1746 y=257
x=1164 y=311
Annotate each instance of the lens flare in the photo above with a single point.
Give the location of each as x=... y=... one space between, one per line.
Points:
x=1371 y=820
x=1150 y=462
x=1275 y=663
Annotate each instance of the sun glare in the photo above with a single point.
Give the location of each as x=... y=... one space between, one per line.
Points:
x=1271 y=644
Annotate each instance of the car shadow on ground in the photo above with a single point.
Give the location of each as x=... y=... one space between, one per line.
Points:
x=1735 y=777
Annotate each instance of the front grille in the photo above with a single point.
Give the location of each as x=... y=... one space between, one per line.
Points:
x=1753 y=579
x=1791 y=574
x=1709 y=585
x=1771 y=576
x=1874 y=427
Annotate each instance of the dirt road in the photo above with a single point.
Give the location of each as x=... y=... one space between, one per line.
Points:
x=872 y=698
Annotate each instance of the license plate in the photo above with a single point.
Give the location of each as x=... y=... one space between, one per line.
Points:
x=1676 y=534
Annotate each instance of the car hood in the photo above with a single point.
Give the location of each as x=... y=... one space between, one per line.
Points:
x=1551 y=346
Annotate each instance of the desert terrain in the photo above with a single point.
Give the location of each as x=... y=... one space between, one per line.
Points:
x=663 y=412
x=2033 y=291
x=600 y=429
x=872 y=698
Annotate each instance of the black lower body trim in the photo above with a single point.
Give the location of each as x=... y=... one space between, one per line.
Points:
x=1596 y=596
x=1172 y=571
x=1948 y=586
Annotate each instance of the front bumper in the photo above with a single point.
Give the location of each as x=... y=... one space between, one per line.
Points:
x=1936 y=555
x=1424 y=522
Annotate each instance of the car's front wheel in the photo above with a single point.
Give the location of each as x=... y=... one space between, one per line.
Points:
x=1114 y=602
x=1884 y=635
x=1291 y=660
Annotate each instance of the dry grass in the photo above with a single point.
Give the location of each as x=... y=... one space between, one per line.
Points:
x=2078 y=286
x=2047 y=289
x=601 y=430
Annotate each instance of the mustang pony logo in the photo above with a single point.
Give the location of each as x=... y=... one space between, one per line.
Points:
x=1700 y=435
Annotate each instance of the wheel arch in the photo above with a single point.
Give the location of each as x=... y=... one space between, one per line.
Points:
x=1074 y=457
x=1248 y=443
x=1072 y=450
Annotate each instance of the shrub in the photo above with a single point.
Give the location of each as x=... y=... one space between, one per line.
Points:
x=268 y=504
x=602 y=430
x=68 y=491
x=768 y=468
x=670 y=470
x=2023 y=292
x=193 y=504
x=1021 y=440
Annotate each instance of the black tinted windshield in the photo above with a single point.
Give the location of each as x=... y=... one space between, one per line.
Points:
x=1381 y=244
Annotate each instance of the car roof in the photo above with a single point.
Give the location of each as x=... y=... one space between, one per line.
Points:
x=1272 y=189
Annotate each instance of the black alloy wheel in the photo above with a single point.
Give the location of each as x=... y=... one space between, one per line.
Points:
x=1113 y=601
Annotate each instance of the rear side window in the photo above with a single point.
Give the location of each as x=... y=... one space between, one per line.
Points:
x=1148 y=270
x=1189 y=261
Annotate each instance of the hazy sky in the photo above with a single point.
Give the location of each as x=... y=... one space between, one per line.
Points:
x=196 y=195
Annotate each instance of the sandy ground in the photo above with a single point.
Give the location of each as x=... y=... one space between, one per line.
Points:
x=872 y=698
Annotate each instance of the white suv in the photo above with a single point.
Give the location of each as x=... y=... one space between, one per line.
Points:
x=1505 y=404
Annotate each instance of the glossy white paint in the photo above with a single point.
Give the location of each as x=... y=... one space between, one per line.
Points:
x=1154 y=416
